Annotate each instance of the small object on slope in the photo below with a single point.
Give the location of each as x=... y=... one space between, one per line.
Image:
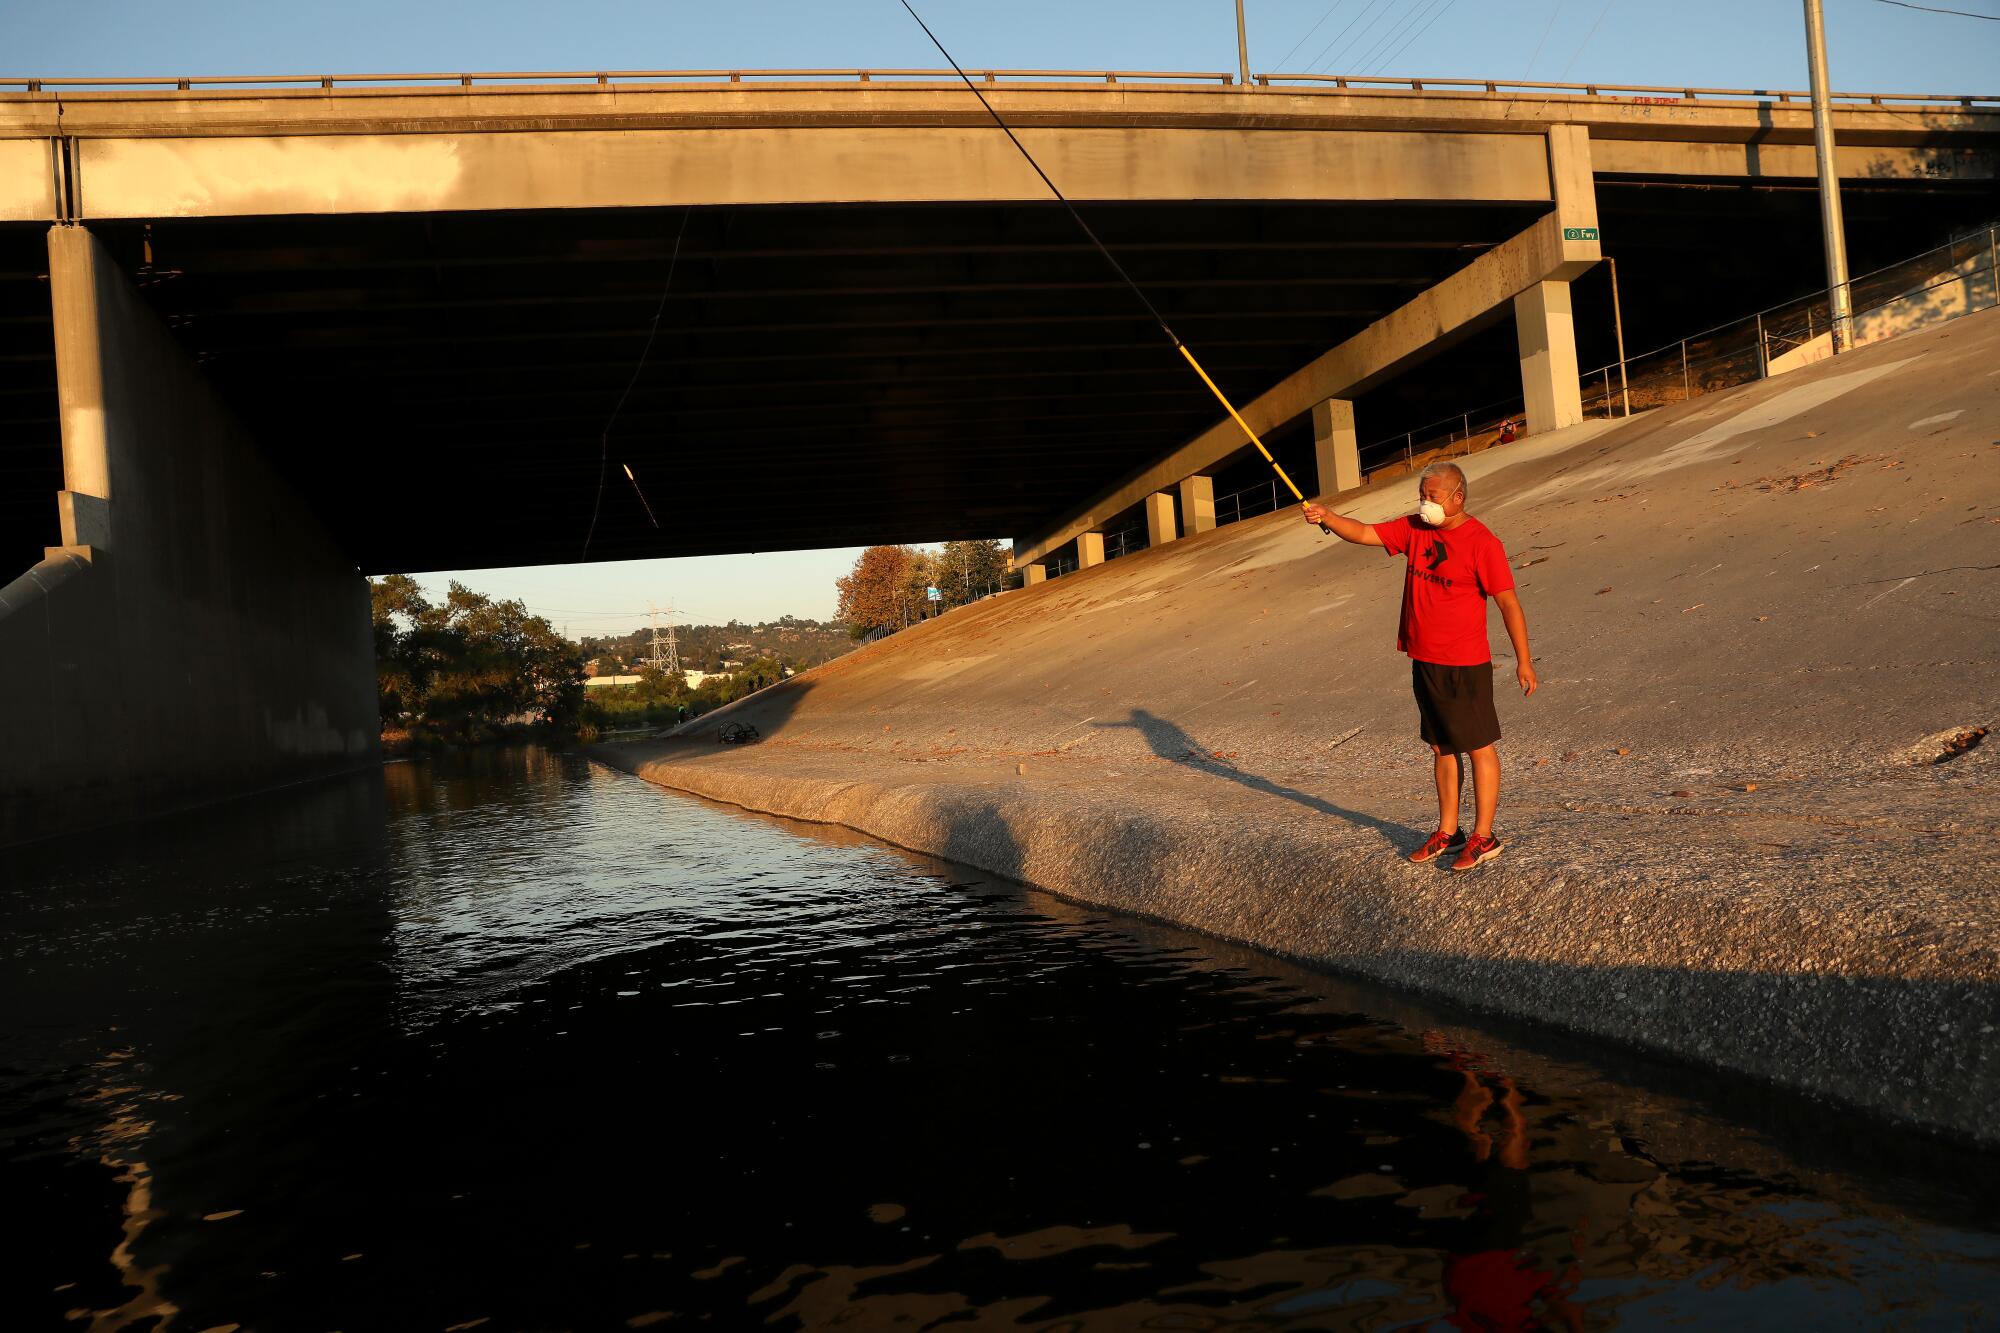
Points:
x=1944 y=746
x=736 y=733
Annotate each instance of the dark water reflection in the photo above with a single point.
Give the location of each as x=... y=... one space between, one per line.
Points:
x=521 y=1041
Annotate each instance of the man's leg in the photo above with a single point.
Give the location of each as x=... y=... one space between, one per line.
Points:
x=1446 y=765
x=1485 y=789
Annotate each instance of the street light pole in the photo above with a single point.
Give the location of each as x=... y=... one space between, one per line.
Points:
x=1838 y=301
x=1242 y=46
x=1618 y=327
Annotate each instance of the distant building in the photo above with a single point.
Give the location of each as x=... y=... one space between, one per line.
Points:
x=592 y=682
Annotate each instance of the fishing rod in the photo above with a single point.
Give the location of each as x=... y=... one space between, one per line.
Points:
x=1112 y=259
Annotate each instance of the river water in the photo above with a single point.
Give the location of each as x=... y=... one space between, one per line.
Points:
x=511 y=1041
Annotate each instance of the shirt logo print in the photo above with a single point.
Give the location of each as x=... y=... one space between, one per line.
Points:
x=1436 y=554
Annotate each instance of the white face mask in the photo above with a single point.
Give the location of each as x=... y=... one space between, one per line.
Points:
x=1431 y=512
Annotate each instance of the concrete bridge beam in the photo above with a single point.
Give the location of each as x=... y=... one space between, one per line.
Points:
x=198 y=633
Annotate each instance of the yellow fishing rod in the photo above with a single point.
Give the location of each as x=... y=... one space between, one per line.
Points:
x=1112 y=259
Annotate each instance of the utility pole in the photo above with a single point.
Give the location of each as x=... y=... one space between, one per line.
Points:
x=1618 y=328
x=1242 y=46
x=1838 y=302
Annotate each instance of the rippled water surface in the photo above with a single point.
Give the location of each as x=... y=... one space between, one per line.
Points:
x=511 y=1042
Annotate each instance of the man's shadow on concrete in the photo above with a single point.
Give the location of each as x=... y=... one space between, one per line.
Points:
x=1173 y=744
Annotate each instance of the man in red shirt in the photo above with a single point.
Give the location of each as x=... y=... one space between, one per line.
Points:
x=1453 y=564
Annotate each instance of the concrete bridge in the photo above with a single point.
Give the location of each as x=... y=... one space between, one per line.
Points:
x=264 y=334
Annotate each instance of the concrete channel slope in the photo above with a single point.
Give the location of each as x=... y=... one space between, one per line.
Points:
x=1750 y=822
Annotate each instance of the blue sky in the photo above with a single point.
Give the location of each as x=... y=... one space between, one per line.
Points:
x=1872 y=46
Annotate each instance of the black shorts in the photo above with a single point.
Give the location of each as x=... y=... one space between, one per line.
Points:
x=1455 y=706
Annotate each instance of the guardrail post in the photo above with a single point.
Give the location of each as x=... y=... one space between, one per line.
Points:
x=1685 y=392
x=1763 y=354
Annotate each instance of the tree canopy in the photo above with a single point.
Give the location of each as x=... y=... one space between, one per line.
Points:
x=888 y=587
x=464 y=668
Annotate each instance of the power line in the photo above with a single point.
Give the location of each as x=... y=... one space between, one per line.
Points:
x=1961 y=13
x=1545 y=39
x=1387 y=41
x=1586 y=40
x=1313 y=64
x=1398 y=53
x=1309 y=32
x=1361 y=36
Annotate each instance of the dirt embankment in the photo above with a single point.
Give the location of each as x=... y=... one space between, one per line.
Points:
x=1750 y=812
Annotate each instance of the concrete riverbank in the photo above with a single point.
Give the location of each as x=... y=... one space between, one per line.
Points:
x=1744 y=828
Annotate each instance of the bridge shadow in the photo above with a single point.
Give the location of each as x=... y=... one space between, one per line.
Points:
x=1171 y=742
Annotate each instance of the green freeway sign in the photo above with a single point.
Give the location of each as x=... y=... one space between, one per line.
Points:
x=1579 y=233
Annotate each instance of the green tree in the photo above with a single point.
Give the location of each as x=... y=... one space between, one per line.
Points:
x=464 y=669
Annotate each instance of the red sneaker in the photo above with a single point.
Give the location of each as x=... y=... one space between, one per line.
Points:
x=1437 y=845
x=1477 y=851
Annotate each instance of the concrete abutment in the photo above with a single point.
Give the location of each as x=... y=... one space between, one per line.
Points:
x=198 y=634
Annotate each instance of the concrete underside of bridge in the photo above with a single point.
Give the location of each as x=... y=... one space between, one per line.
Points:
x=408 y=320
x=439 y=385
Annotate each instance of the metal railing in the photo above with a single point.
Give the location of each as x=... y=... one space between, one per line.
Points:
x=1246 y=503
x=588 y=80
x=1126 y=540
x=1956 y=278
x=1649 y=94
x=1953 y=279
x=1443 y=433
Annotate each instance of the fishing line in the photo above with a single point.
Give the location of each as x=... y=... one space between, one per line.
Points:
x=1112 y=259
x=604 y=440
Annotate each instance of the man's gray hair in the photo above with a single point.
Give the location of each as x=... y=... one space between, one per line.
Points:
x=1451 y=470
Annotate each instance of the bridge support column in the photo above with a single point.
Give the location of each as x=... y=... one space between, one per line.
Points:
x=1545 y=331
x=1160 y=525
x=1335 y=446
x=198 y=634
x=1089 y=549
x=1033 y=574
x=1197 y=504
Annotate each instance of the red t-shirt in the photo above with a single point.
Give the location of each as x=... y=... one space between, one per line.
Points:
x=1451 y=572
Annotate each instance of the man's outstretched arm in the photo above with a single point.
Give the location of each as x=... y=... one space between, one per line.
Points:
x=1347 y=529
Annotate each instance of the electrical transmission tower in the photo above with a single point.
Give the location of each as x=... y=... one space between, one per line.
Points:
x=666 y=656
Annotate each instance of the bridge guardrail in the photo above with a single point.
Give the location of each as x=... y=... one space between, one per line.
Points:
x=591 y=80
